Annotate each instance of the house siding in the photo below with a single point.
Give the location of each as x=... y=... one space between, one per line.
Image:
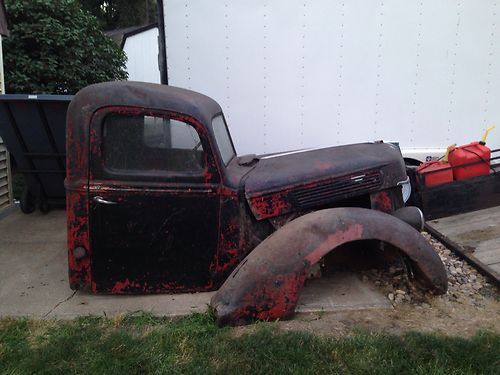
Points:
x=5 y=184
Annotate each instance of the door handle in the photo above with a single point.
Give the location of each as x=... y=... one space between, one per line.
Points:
x=101 y=200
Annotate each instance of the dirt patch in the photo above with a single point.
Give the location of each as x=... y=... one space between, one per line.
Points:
x=441 y=316
x=471 y=304
x=477 y=235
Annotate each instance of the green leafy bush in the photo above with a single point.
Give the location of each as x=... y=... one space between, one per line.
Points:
x=57 y=48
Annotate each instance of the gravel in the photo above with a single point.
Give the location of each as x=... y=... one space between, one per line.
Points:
x=465 y=284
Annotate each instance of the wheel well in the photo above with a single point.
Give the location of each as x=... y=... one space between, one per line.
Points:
x=361 y=255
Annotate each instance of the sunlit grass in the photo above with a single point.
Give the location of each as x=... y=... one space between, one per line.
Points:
x=141 y=343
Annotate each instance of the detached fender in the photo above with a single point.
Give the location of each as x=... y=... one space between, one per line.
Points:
x=268 y=282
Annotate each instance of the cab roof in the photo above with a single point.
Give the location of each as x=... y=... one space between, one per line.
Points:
x=143 y=95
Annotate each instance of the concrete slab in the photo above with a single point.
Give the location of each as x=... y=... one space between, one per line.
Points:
x=34 y=276
x=33 y=271
x=34 y=280
x=340 y=292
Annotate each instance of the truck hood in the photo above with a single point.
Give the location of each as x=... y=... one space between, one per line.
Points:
x=301 y=180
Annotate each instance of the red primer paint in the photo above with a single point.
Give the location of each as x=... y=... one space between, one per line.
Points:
x=351 y=233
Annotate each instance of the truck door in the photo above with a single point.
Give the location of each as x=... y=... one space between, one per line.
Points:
x=154 y=203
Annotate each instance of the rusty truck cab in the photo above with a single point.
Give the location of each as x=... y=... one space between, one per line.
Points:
x=144 y=188
x=158 y=201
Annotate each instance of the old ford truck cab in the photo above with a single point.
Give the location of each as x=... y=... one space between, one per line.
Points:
x=158 y=200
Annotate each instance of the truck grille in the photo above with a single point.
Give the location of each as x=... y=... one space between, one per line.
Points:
x=340 y=188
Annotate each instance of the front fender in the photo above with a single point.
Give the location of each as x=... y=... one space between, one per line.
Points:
x=268 y=282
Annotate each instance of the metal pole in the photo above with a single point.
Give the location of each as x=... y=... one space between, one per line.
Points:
x=162 y=49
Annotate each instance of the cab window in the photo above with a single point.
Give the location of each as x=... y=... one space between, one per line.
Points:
x=223 y=139
x=150 y=145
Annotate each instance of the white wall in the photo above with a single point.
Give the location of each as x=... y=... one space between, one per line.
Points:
x=294 y=74
x=142 y=53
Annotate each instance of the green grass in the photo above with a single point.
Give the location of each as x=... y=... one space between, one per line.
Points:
x=143 y=344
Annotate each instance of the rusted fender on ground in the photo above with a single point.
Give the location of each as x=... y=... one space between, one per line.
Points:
x=268 y=282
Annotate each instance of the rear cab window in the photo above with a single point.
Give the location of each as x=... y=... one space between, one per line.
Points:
x=150 y=145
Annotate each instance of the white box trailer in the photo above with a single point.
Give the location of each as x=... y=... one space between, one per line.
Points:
x=308 y=74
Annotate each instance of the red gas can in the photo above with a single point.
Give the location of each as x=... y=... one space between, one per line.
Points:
x=440 y=175
x=473 y=152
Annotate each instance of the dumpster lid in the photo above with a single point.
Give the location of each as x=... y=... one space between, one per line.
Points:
x=33 y=128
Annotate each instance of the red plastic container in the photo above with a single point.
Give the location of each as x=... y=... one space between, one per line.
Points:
x=473 y=152
x=438 y=176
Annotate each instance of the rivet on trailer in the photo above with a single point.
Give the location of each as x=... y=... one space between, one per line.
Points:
x=158 y=201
